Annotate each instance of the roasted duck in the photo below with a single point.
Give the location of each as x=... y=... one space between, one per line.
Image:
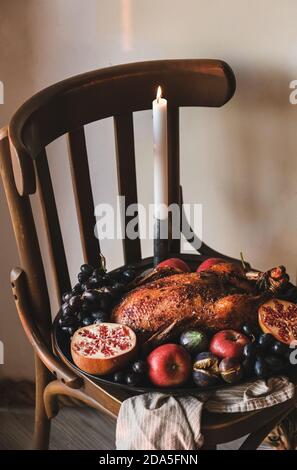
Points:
x=223 y=297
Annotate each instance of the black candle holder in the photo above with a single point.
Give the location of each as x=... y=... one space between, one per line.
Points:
x=162 y=237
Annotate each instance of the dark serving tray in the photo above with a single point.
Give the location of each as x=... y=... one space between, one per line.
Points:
x=61 y=341
x=62 y=346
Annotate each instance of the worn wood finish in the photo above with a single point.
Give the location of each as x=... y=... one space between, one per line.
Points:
x=25 y=310
x=96 y=95
x=42 y=423
x=126 y=169
x=83 y=196
x=36 y=288
x=27 y=241
x=23 y=170
x=52 y=226
x=56 y=388
x=173 y=168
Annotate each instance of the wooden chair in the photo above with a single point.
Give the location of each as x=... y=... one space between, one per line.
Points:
x=64 y=109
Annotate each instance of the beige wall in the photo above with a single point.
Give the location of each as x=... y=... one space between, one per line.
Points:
x=238 y=161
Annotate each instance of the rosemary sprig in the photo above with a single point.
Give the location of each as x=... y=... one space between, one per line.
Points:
x=102 y=262
x=242 y=261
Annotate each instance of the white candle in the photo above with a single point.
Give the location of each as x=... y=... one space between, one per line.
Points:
x=160 y=156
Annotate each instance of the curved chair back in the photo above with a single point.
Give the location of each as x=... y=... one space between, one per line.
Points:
x=64 y=109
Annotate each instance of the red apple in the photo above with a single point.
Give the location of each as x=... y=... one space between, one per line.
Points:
x=169 y=365
x=208 y=263
x=228 y=343
x=175 y=263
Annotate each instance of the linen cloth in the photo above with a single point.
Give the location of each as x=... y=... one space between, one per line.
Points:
x=158 y=421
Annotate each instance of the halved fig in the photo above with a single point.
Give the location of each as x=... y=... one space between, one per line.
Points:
x=103 y=348
x=279 y=318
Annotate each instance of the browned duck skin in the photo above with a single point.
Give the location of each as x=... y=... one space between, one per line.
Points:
x=222 y=297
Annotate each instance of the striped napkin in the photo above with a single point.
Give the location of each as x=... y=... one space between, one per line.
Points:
x=250 y=396
x=157 y=421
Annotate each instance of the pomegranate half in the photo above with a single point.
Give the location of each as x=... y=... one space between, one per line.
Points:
x=103 y=348
x=279 y=318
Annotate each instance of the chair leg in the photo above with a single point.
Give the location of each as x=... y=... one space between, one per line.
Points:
x=253 y=441
x=42 y=423
x=55 y=388
x=208 y=444
x=50 y=397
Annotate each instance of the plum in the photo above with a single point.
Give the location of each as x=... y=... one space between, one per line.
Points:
x=231 y=370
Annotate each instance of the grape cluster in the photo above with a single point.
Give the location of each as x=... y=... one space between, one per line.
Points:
x=264 y=356
x=92 y=298
x=134 y=375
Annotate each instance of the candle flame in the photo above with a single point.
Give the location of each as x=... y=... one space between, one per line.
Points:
x=159 y=93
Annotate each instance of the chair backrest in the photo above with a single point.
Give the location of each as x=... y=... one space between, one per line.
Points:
x=64 y=109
